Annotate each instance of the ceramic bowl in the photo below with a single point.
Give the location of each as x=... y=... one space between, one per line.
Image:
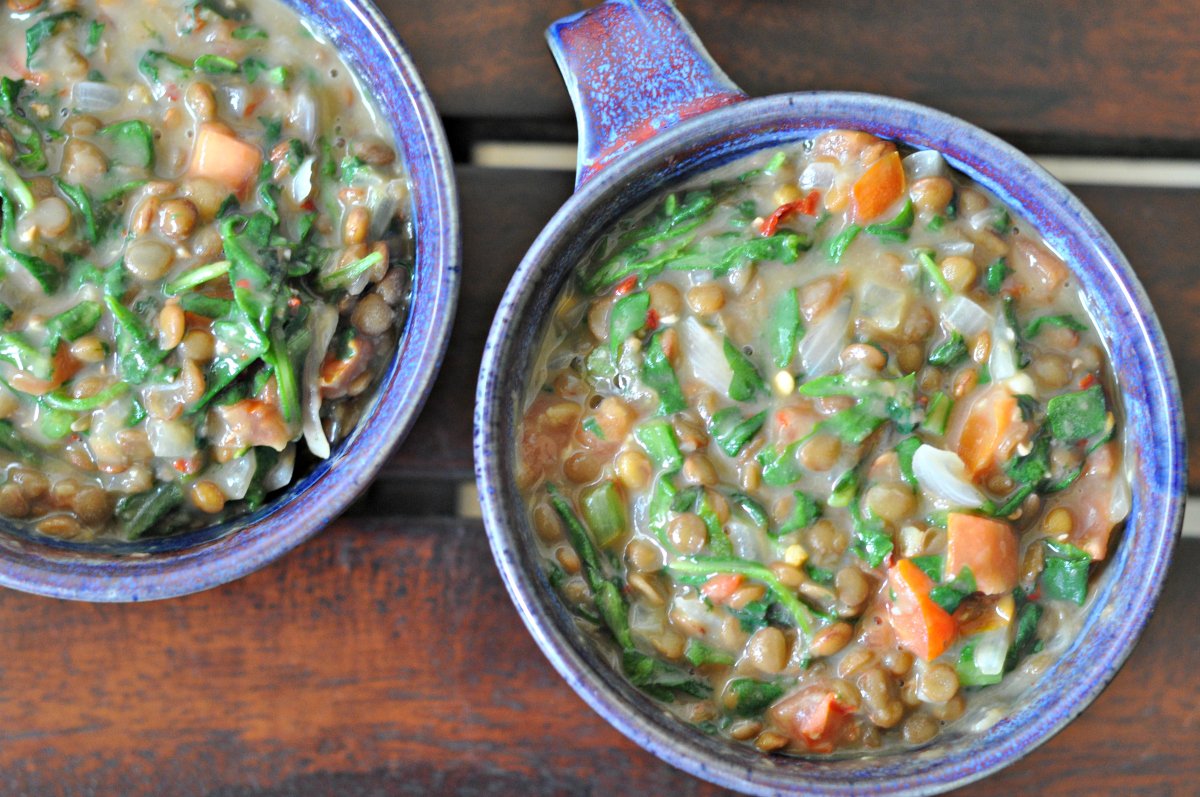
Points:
x=654 y=111
x=177 y=565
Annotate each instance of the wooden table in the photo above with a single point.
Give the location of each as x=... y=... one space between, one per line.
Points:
x=384 y=657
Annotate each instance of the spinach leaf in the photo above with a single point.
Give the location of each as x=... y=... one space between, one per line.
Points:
x=805 y=511
x=139 y=513
x=746 y=379
x=43 y=29
x=750 y=698
x=627 y=318
x=731 y=432
x=1065 y=574
x=897 y=228
x=995 y=275
x=83 y=203
x=1077 y=416
x=785 y=328
x=658 y=374
x=835 y=250
x=949 y=353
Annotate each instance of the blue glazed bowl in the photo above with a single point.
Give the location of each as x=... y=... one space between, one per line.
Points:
x=682 y=118
x=170 y=566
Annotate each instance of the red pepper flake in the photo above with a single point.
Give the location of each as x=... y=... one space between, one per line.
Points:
x=625 y=286
x=244 y=284
x=1087 y=381
x=294 y=301
x=806 y=206
x=182 y=465
x=652 y=319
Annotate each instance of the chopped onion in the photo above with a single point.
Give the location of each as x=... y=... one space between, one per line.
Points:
x=926 y=163
x=705 y=352
x=644 y=620
x=385 y=208
x=170 y=439
x=304 y=117
x=965 y=316
x=1118 y=508
x=944 y=474
x=323 y=323
x=281 y=475
x=234 y=476
x=986 y=219
x=1002 y=362
x=991 y=648
x=821 y=347
x=748 y=541
x=817 y=175
x=238 y=98
x=883 y=305
x=963 y=248
x=301 y=185
x=90 y=97
x=697 y=613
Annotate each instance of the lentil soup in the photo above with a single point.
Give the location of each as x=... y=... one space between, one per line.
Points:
x=822 y=449
x=207 y=260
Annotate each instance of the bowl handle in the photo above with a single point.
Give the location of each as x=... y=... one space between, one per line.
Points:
x=634 y=68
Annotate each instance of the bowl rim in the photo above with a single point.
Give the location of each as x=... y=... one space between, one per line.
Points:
x=197 y=560
x=606 y=691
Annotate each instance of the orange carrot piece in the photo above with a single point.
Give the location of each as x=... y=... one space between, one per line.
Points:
x=988 y=547
x=984 y=430
x=923 y=627
x=221 y=156
x=720 y=588
x=878 y=188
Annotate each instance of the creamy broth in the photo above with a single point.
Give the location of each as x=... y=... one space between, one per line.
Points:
x=207 y=257
x=822 y=447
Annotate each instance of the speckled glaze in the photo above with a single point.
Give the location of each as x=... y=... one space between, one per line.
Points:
x=190 y=562
x=1132 y=578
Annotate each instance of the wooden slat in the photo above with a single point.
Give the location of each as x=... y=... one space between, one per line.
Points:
x=376 y=660
x=1109 y=75
x=507 y=208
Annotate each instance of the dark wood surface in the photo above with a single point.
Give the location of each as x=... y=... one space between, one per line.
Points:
x=384 y=657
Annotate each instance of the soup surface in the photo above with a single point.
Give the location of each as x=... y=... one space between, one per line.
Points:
x=206 y=259
x=822 y=446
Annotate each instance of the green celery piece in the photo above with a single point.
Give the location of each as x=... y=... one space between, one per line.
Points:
x=731 y=432
x=605 y=513
x=837 y=246
x=658 y=439
x=930 y=267
x=627 y=318
x=949 y=353
x=1063 y=321
x=897 y=228
x=139 y=513
x=785 y=327
x=43 y=29
x=805 y=512
x=746 y=379
x=937 y=414
x=74 y=323
x=995 y=275
x=658 y=374
x=707 y=566
x=83 y=203
x=1065 y=573
x=751 y=698
x=1077 y=416
x=700 y=655
x=133 y=140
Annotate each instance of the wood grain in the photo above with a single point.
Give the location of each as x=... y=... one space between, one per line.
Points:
x=1105 y=76
x=507 y=208
x=387 y=659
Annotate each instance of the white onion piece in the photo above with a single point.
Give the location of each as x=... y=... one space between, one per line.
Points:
x=986 y=219
x=963 y=248
x=90 y=97
x=748 y=542
x=991 y=648
x=1002 y=362
x=965 y=316
x=281 y=474
x=1021 y=385
x=1118 y=508
x=697 y=613
x=705 y=353
x=944 y=474
x=304 y=117
x=926 y=163
x=301 y=186
x=883 y=305
x=238 y=98
x=817 y=175
x=383 y=211
x=323 y=323
x=170 y=439
x=645 y=621
x=234 y=476
x=821 y=347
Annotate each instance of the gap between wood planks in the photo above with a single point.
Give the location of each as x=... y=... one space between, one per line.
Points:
x=1132 y=172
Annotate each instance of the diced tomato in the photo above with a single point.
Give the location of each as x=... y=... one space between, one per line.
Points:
x=1090 y=502
x=1087 y=381
x=878 y=188
x=545 y=434
x=988 y=547
x=981 y=426
x=921 y=626
x=806 y=206
x=814 y=716
x=794 y=422
x=720 y=588
x=625 y=286
x=652 y=319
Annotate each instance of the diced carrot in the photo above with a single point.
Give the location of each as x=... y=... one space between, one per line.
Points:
x=721 y=587
x=221 y=156
x=878 y=188
x=988 y=547
x=985 y=429
x=814 y=716
x=923 y=627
